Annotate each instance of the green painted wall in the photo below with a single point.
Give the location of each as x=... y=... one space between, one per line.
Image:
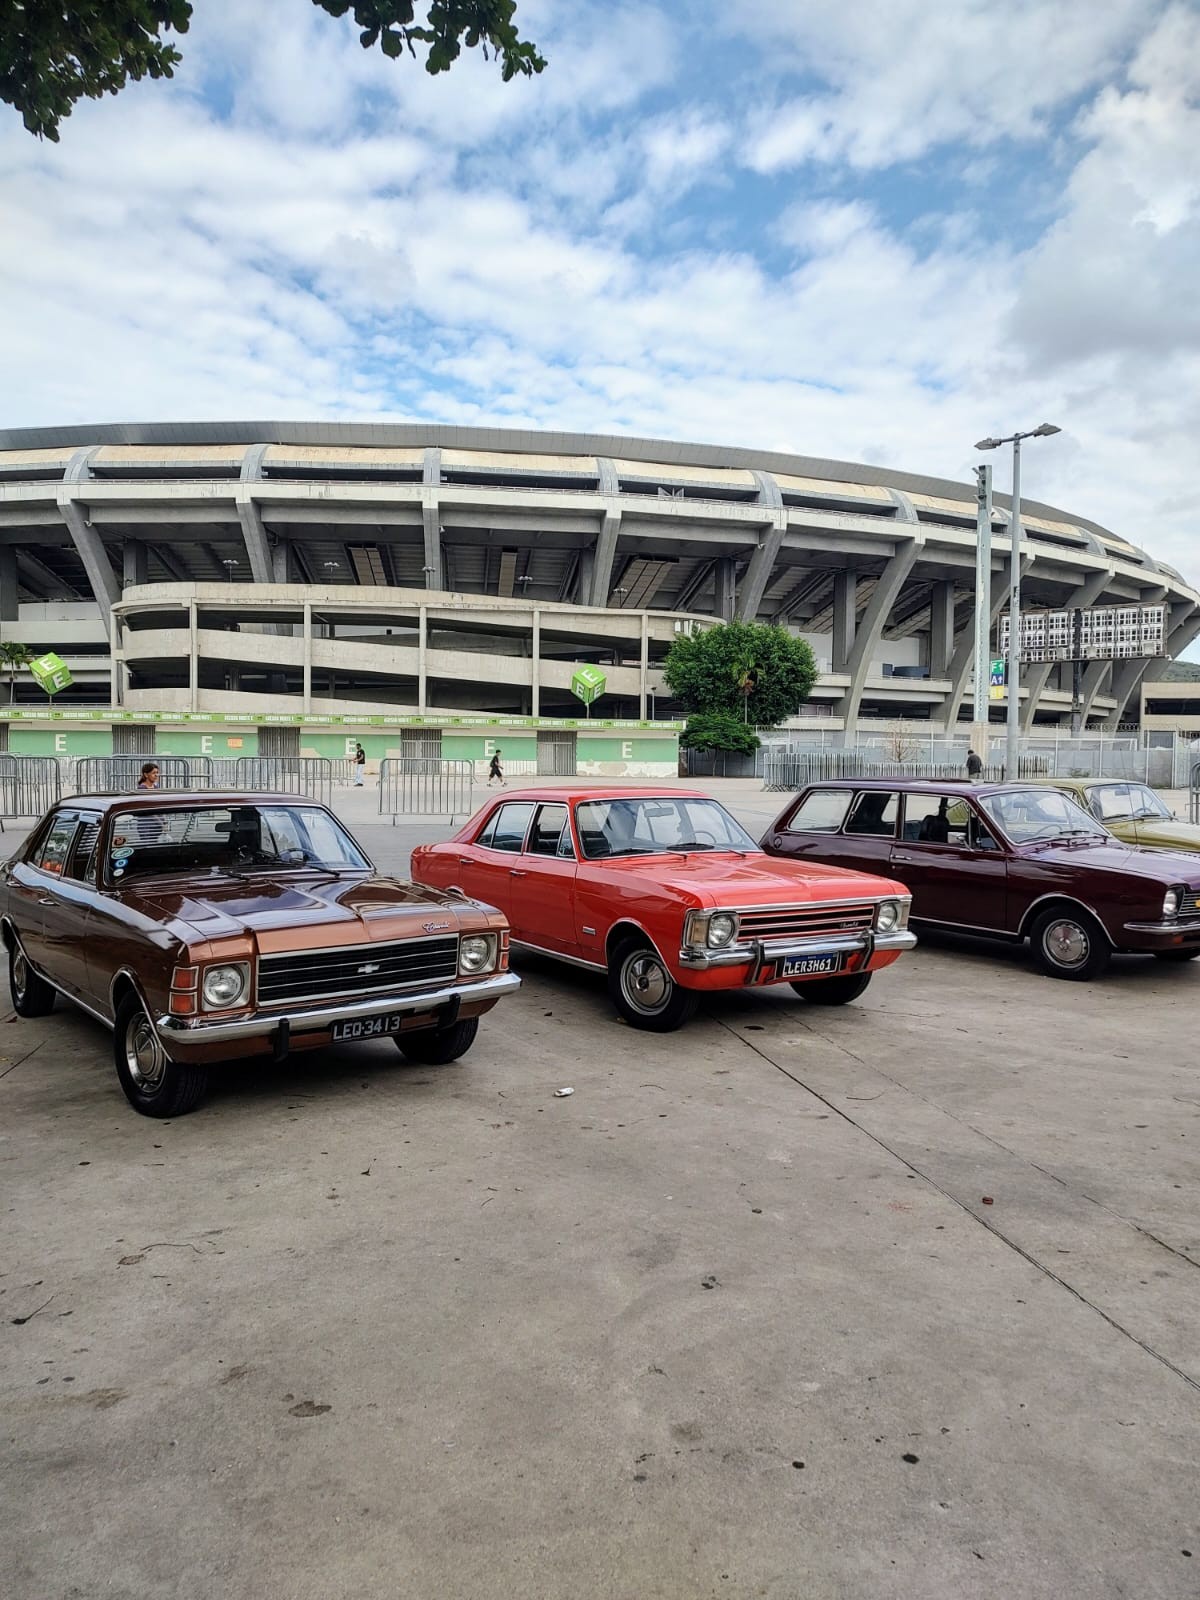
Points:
x=340 y=746
x=59 y=741
x=614 y=748
x=224 y=744
x=479 y=747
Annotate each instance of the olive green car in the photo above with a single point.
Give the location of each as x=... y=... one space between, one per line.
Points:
x=1132 y=811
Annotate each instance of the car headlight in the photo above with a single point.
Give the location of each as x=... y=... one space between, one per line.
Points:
x=223 y=987
x=1172 y=901
x=722 y=926
x=888 y=916
x=476 y=954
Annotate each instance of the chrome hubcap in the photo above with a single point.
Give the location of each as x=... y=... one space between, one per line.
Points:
x=1067 y=944
x=20 y=972
x=144 y=1055
x=646 y=983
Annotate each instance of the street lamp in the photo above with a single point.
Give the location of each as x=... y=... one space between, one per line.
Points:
x=230 y=566
x=1012 y=744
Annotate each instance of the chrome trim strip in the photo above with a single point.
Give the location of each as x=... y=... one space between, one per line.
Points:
x=557 y=955
x=1156 y=927
x=745 y=955
x=263 y=1025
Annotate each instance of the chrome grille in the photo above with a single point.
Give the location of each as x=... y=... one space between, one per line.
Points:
x=1190 y=905
x=800 y=922
x=334 y=974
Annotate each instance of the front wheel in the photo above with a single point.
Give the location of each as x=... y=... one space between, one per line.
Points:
x=645 y=993
x=153 y=1083
x=31 y=996
x=1176 y=955
x=437 y=1047
x=833 y=991
x=1070 y=944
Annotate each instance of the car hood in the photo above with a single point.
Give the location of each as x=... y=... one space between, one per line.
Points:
x=1143 y=861
x=750 y=880
x=1168 y=835
x=293 y=912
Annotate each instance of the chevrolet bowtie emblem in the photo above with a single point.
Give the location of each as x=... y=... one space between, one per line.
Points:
x=371 y=966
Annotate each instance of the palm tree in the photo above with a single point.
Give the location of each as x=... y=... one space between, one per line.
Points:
x=14 y=657
x=745 y=675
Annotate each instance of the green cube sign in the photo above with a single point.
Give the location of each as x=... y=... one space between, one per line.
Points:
x=588 y=684
x=51 y=672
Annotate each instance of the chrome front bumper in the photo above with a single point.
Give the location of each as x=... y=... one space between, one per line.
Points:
x=314 y=1019
x=765 y=952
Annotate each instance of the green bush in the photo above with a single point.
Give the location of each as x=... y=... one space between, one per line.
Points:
x=721 y=732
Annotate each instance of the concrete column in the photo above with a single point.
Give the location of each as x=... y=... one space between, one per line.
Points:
x=583 y=586
x=281 y=562
x=193 y=658
x=845 y=617
x=762 y=562
x=431 y=519
x=941 y=628
x=645 y=664
x=1035 y=677
x=88 y=544
x=134 y=561
x=891 y=580
x=116 y=652
x=536 y=694
x=308 y=654
x=603 y=557
x=726 y=588
x=10 y=608
x=962 y=664
x=422 y=652
x=254 y=535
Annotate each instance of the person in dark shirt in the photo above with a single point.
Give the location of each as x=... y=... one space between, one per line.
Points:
x=974 y=765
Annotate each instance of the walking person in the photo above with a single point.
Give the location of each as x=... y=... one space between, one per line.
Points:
x=496 y=770
x=360 y=765
x=974 y=765
x=149 y=777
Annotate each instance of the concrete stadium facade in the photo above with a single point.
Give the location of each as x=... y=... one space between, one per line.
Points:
x=328 y=568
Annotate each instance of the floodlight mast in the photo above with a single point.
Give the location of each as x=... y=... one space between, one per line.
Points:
x=1013 y=730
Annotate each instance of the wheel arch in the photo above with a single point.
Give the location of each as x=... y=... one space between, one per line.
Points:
x=1065 y=902
x=630 y=928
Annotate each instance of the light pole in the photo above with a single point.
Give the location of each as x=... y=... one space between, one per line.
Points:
x=1012 y=744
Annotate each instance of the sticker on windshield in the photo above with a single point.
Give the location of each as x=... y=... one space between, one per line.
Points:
x=123 y=853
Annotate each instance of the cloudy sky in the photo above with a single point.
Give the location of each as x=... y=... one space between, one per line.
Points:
x=869 y=229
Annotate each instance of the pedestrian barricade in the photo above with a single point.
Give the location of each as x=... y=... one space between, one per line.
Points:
x=29 y=786
x=308 y=775
x=419 y=786
x=1194 y=795
x=115 y=774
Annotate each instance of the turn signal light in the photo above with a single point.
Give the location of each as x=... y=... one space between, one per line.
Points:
x=183 y=1005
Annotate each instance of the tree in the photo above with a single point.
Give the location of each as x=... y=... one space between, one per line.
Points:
x=750 y=671
x=719 y=731
x=13 y=657
x=55 y=52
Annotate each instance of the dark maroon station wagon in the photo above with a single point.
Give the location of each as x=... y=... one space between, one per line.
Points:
x=1004 y=860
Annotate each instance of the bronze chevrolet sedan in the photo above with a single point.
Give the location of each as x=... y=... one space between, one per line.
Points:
x=202 y=927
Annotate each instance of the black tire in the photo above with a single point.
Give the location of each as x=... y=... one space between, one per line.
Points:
x=644 y=992
x=1176 y=955
x=31 y=996
x=437 y=1047
x=1069 y=943
x=152 y=1083
x=833 y=991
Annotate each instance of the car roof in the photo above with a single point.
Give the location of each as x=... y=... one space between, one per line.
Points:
x=920 y=785
x=173 y=799
x=602 y=791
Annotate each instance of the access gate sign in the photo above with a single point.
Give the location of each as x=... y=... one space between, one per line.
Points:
x=996 y=688
x=51 y=673
x=588 y=684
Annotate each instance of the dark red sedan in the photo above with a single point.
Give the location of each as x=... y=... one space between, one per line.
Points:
x=1004 y=860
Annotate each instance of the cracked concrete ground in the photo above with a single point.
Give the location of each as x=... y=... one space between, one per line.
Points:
x=891 y=1300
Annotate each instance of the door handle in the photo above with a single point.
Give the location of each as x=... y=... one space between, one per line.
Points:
x=465 y=861
x=46 y=900
x=902 y=858
x=517 y=872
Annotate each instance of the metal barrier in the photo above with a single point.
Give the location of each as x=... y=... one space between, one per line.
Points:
x=418 y=786
x=787 y=771
x=109 y=774
x=29 y=786
x=1194 y=795
x=308 y=775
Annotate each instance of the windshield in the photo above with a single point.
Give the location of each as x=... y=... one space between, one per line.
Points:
x=234 y=840
x=1125 y=802
x=656 y=826
x=1027 y=815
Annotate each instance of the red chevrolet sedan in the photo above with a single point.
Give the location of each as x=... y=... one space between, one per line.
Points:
x=667 y=893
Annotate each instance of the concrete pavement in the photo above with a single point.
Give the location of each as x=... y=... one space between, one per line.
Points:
x=891 y=1300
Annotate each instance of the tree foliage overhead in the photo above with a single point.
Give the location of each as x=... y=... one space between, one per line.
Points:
x=56 y=52
x=753 y=671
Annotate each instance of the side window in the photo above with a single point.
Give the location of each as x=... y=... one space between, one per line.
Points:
x=489 y=830
x=512 y=823
x=874 y=813
x=548 y=831
x=821 y=811
x=82 y=864
x=936 y=819
x=52 y=857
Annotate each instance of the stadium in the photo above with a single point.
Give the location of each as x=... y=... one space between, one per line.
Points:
x=423 y=571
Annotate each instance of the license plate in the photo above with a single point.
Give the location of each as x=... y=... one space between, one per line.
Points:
x=367 y=1027
x=808 y=966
